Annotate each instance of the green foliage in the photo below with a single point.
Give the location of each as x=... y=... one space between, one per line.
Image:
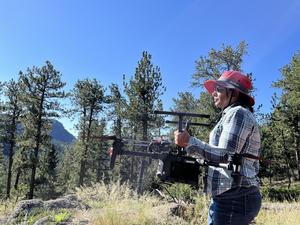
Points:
x=53 y=216
x=9 y=123
x=48 y=188
x=143 y=93
x=182 y=192
x=41 y=91
x=217 y=61
x=68 y=169
x=281 y=194
x=281 y=131
x=89 y=101
x=2 y=174
x=117 y=112
x=62 y=216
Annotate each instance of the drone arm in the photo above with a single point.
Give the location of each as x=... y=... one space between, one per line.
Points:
x=117 y=149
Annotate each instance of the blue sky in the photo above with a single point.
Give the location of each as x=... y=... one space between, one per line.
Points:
x=104 y=39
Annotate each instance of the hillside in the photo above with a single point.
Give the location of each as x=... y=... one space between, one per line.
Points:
x=59 y=135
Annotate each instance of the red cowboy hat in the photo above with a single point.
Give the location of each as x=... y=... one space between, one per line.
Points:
x=232 y=80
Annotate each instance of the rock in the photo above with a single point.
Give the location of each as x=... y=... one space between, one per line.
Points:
x=25 y=206
x=67 y=202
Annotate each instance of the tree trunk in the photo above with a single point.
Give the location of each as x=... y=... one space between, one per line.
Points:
x=270 y=174
x=11 y=154
x=144 y=162
x=297 y=143
x=86 y=149
x=9 y=173
x=17 y=178
x=131 y=175
x=286 y=156
x=33 y=172
x=8 y=183
x=37 y=147
x=119 y=128
x=98 y=171
x=81 y=172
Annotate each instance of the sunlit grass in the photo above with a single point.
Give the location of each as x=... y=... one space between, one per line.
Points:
x=279 y=214
x=119 y=204
x=6 y=206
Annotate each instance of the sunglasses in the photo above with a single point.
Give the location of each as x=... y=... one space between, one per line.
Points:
x=219 y=89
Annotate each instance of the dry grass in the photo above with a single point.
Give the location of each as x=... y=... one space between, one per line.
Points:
x=117 y=204
x=279 y=214
x=6 y=206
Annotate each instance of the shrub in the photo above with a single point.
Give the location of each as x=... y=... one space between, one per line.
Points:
x=281 y=194
x=182 y=192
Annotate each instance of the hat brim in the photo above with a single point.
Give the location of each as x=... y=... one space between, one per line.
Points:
x=210 y=86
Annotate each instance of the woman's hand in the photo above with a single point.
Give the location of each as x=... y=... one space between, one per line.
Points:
x=181 y=138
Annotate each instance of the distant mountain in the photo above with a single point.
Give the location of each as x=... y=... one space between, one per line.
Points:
x=59 y=135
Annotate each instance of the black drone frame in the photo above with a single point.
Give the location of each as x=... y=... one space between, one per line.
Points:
x=174 y=164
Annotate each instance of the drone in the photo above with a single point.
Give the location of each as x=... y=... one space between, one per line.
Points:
x=174 y=165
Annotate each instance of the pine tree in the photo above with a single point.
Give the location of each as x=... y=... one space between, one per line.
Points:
x=117 y=114
x=2 y=173
x=89 y=100
x=143 y=92
x=68 y=169
x=217 y=61
x=41 y=91
x=289 y=104
x=12 y=110
x=49 y=173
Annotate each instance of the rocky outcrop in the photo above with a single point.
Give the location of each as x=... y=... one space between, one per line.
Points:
x=26 y=206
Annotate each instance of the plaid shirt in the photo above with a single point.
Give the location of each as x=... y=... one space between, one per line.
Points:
x=236 y=132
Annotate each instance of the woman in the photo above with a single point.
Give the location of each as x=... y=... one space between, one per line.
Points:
x=236 y=199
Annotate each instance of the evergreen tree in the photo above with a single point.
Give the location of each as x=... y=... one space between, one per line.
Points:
x=143 y=92
x=12 y=110
x=100 y=154
x=2 y=173
x=68 y=169
x=117 y=103
x=288 y=108
x=218 y=61
x=41 y=91
x=89 y=100
x=49 y=175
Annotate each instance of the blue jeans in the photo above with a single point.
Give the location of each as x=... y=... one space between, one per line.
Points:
x=234 y=211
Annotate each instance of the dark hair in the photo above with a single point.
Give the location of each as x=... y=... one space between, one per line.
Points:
x=244 y=101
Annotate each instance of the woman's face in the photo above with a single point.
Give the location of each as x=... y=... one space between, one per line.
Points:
x=221 y=97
